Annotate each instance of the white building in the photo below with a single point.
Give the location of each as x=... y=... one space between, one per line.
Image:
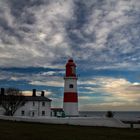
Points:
x=34 y=106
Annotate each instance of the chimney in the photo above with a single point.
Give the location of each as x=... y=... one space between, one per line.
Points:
x=34 y=92
x=42 y=93
x=2 y=91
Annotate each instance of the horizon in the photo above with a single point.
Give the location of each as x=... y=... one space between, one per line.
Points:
x=38 y=37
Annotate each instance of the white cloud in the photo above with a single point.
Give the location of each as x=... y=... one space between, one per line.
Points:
x=107 y=22
x=107 y=18
x=121 y=66
x=29 y=93
x=43 y=80
x=47 y=83
x=115 y=91
x=6 y=14
x=38 y=79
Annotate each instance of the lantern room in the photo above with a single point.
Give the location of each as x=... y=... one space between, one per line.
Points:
x=70 y=68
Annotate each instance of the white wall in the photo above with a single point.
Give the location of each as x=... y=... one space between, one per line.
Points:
x=2 y=111
x=83 y=121
x=28 y=108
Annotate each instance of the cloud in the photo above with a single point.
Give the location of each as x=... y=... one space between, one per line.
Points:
x=120 y=65
x=106 y=18
x=43 y=33
x=120 y=89
x=51 y=78
x=114 y=31
x=29 y=93
x=38 y=43
x=48 y=83
x=52 y=73
x=109 y=92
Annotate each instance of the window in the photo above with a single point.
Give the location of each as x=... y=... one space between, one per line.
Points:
x=43 y=103
x=33 y=103
x=71 y=86
x=22 y=112
x=43 y=113
x=33 y=114
x=73 y=69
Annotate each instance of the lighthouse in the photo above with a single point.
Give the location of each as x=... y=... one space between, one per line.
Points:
x=70 y=101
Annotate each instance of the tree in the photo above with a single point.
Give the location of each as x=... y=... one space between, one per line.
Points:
x=11 y=100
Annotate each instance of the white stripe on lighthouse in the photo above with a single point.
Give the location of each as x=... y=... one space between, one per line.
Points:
x=71 y=109
x=68 y=82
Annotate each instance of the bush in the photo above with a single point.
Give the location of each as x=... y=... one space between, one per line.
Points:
x=109 y=114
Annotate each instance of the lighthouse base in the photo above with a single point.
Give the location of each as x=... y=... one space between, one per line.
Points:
x=71 y=109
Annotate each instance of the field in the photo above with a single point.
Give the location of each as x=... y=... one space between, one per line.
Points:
x=34 y=131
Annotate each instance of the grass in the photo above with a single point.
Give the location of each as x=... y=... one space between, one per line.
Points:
x=34 y=131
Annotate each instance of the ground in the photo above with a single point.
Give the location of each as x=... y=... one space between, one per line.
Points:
x=34 y=131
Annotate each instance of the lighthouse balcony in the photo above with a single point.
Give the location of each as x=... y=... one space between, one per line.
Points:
x=70 y=77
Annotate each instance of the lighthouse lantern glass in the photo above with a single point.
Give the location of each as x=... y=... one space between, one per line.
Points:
x=73 y=70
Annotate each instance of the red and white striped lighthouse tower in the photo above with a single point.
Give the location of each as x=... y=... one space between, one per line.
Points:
x=70 y=101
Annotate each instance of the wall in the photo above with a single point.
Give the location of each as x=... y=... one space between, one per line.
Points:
x=28 y=108
x=2 y=110
x=83 y=121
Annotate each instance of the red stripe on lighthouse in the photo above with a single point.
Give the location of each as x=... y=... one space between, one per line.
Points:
x=70 y=97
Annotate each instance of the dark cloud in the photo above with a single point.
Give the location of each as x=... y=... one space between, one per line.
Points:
x=17 y=8
x=124 y=43
x=46 y=32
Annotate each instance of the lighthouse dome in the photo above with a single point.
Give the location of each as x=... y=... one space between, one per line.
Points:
x=70 y=63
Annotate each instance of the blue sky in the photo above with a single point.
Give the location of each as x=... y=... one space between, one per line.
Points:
x=37 y=37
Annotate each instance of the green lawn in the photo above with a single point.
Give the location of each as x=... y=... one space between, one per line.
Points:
x=34 y=131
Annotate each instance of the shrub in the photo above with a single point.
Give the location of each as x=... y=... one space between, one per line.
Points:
x=109 y=114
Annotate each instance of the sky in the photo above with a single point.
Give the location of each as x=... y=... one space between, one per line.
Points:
x=37 y=37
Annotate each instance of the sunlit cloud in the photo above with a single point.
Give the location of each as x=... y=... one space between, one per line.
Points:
x=47 y=83
x=110 y=91
x=38 y=93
